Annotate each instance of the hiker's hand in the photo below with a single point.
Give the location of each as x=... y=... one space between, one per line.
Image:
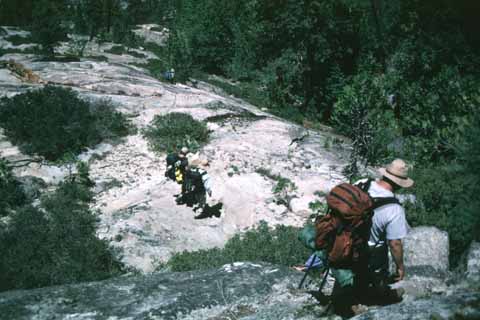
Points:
x=300 y=268
x=400 y=274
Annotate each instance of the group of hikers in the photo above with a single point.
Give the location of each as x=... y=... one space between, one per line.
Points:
x=351 y=242
x=189 y=171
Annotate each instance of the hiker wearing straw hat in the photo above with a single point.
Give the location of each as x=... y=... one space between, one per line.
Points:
x=389 y=224
x=388 y=227
x=367 y=280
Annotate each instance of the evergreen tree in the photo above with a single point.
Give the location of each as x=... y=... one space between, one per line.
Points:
x=47 y=28
x=15 y=12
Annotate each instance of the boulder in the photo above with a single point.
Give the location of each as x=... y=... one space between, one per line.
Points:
x=473 y=262
x=426 y=252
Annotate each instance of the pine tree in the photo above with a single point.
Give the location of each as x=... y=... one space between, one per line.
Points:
x=47 y=28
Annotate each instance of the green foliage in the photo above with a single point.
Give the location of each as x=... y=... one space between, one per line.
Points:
x=277 y=246
x=447 y=195
x=170 y=132
x=54 y=121
x=180 y=53
x=10 y=189
x=248 y=91
x=55 y=243
x=47 y=28
x=282 y=184
x=16 y=13
x=17 y=40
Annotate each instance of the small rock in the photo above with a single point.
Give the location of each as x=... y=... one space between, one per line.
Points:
x=301 y=206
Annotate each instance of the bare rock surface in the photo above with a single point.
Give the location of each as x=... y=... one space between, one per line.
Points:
x=152 y=33
x=237 y=291
x=426 y=252
x=458 y=305
x=473 y=262
x=135 y=201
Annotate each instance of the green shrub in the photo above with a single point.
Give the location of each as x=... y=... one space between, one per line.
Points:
x=248 y=91
x=55 y=243
x=282 y=184
x=170 y=132
x=11 y=192
x=277 y=246
x=17 y=40
x=116 y=50
x=53 y=121
x=447 y=194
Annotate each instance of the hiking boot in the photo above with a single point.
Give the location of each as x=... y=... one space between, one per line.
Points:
x=397 y=294
x=217 y=214
x=180 y=200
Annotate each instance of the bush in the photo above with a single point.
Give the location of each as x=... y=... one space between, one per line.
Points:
x=53 y=121
x=17 y=40
x=47 y=27
x=277 y=246
x=56 y=243
x=170 y=132
x=11 y=192
x=447 y=194
x=248 y=91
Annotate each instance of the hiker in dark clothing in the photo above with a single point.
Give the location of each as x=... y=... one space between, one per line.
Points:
x=176 y=167
x=198 y=184
x=170 y=75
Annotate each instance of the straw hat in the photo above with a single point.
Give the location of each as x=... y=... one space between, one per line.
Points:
x=397 y=172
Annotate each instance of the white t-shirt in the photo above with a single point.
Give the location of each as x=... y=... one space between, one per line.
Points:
x=389 y=221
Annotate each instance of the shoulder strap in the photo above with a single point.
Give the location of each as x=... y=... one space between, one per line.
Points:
x=365 y=185
x=382 y=201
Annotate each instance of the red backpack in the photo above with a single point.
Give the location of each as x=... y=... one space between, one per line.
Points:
x=344 y=231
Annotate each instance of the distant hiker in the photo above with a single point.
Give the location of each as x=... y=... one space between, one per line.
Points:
x=170 y=75
x=353 y=239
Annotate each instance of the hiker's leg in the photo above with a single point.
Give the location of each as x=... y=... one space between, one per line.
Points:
x=379 y=290
x=343 y=295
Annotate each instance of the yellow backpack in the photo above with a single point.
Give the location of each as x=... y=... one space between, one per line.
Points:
x=178 y=175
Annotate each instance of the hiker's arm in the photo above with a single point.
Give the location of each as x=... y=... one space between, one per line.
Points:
x=396 y=248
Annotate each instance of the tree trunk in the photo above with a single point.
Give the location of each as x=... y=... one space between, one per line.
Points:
x=376 y=13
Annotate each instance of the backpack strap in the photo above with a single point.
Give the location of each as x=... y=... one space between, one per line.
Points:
x=365 y=185
x=383 y=201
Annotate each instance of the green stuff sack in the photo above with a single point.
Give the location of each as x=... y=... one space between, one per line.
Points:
x=307 y=236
